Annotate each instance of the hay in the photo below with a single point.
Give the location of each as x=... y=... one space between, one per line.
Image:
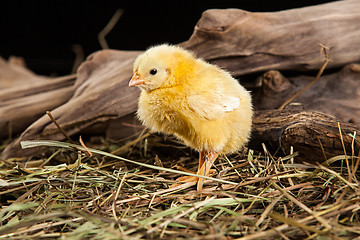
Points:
x=69 y=194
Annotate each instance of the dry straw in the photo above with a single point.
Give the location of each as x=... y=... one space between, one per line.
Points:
x=79 y=192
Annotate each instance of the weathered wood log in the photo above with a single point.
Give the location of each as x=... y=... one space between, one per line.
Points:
x=101 y=94
x=245 y=42
x=14 y=73
x=304 y=130
x=24 y=97
x=336 y=94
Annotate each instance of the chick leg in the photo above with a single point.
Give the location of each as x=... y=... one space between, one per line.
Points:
x=206 y=160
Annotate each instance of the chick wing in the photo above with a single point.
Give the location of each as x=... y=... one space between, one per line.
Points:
x=212 y=105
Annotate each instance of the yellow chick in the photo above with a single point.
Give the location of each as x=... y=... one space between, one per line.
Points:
x=199 y=103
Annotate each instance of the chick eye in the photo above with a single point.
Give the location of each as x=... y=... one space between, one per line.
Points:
x=153 y=71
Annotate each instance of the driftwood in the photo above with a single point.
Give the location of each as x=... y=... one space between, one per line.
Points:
x=14 y=73
x=336 y=94
x=314 y=135
x=101 y=94
x=243 y=43
x=24 y=97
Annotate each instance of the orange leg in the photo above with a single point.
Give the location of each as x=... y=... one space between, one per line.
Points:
x=206 y=160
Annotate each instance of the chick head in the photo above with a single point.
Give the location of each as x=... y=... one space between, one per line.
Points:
x=162 y=66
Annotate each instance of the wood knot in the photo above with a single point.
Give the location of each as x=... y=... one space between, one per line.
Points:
x=218 y=20
x=274 y=82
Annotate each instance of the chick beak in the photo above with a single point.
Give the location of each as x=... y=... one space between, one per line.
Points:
x=136 y=80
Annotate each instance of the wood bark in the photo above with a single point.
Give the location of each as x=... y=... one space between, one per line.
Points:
x=336 y=94
x=238 y=41
x=101 y=94
x=14 y=73
x=245 y=42
x=314 y=135
x=25 y=97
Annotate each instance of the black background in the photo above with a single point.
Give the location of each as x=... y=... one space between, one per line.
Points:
x=43 y=32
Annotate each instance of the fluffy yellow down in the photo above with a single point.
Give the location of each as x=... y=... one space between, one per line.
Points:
x=199 y=103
